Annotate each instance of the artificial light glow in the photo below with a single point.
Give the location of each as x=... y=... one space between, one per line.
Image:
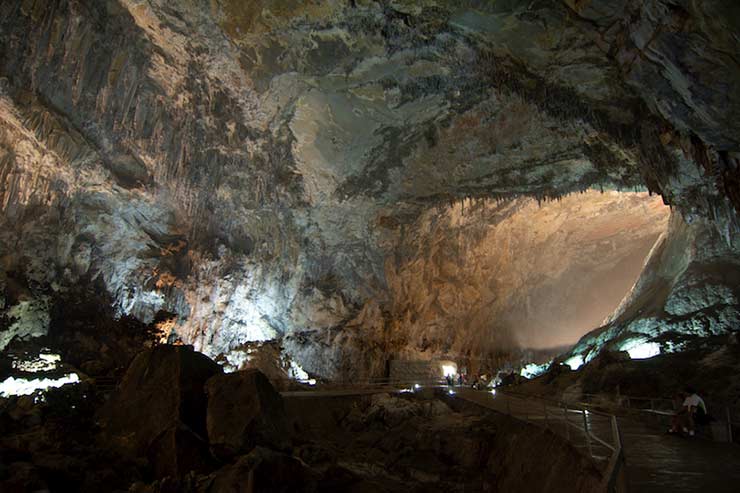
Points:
x=451 y=392
x=639 y=349
x=574 y=362
x=296 y=372
x=493 y=391
x=449 y=370
x=45 y=362
x=417 y=386
x=533 y=370
x=22 y=386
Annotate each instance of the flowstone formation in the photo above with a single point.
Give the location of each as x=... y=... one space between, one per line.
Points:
x=234 y=172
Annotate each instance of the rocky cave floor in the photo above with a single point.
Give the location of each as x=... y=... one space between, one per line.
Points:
x=176 y=422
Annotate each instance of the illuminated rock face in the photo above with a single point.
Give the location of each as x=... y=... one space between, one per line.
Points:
x=689 y=288
x=261 y=170
x=519 y=273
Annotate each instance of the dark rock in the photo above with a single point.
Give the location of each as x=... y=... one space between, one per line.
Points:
x=337 y=478
x=607 y=358
x=313 y=453
x=177 y=451
x=163 y=388
x=20 y=477
x=265 y=470
x=244 y=410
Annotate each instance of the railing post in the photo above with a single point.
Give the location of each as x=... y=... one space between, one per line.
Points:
x=585 y=431
x=729 y=424
x=567 y=423
x=615 y=433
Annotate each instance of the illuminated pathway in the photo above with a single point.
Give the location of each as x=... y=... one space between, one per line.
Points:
x=655 y=461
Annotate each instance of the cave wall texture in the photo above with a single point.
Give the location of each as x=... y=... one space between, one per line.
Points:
x=302 y=170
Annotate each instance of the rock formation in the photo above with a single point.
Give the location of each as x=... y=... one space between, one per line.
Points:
x=160 y=399
x=244 y=410
x=252 y=171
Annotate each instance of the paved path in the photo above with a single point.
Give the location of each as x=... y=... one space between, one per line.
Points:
x=655 y=461
x=338 y=392
x=659 y=462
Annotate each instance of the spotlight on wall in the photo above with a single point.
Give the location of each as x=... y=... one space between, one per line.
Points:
x=575 y=362
x=22 y=386
x=641 y=349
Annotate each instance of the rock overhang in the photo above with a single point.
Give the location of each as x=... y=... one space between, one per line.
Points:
x=277 y=141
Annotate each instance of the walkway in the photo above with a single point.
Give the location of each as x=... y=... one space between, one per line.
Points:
x=659 y=462
x=655 y=461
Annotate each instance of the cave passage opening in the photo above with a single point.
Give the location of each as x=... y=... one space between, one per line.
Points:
x=520 y=276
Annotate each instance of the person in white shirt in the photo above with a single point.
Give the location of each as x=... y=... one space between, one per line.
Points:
x=692 y=410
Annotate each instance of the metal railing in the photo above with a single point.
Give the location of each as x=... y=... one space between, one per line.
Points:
x=595 y=432
x=293 y=387
x=655 y=404
x=660 y=407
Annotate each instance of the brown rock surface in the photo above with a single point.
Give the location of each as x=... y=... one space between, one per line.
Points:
x=162 y=390
x=177 y=451
x=244 y=410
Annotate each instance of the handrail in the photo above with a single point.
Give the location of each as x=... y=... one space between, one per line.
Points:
x=616 y=459
x=729 y=421
x=616 y=462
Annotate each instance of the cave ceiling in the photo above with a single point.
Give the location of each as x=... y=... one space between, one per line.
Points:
x=253 y=167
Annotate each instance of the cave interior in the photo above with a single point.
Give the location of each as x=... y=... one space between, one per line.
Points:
x=204 y=204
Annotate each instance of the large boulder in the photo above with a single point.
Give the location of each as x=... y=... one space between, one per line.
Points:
x=163 y=389
x=177 y=451
x=265 y=470
x=244 y=410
